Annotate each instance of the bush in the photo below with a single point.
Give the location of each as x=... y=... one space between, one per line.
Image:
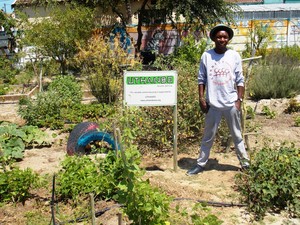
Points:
x=155 y=124
x=7 y=72
x=68 y=89
x=272 y=182
x=102 y=65
x=48 y=110
x=191 y=50
x=14 y=139
x=114 y=178
x=277 y=77
x=15 y=184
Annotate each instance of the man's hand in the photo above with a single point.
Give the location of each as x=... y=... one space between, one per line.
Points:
x=203 y=105
x=238 y=104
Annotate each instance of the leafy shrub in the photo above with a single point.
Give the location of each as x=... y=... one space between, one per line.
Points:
x=79 y=176
x=292 y=52
x=15 y=184
x=14 y=139
x=45 y=111
x=260 y=37
x=48 y=108
x=272 y=182
x=143 y=203
x=68 y=88
x=155 y=124
x=276 y=77
x=82 y=175
x=116 y=177
x=191 y=50
x=8 y=71
x=103 y=65
x=4 y=88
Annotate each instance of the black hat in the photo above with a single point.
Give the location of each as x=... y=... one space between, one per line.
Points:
x=220 y=27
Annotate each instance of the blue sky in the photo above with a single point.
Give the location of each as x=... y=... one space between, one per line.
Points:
x=5 y=5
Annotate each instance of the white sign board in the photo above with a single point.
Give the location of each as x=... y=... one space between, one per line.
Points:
x=150 y=88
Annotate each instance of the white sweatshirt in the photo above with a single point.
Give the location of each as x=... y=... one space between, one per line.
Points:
x=221 y=74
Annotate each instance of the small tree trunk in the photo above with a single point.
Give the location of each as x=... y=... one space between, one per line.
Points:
x=139 y=28
x=129 y=11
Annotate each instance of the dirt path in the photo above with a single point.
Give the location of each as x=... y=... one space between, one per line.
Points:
x=216 y=184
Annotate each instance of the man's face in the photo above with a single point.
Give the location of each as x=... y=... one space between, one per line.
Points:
x=221 y=39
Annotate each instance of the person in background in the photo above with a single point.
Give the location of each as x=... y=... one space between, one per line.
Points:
x=221 y=92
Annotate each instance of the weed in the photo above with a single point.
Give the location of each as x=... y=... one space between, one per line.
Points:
x=250 y=112
x=268 y=113
x=297 y=121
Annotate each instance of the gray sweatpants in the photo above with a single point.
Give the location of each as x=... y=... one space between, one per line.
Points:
x=212 y=121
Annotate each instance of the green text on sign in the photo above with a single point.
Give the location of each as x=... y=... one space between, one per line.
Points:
x=140 y=80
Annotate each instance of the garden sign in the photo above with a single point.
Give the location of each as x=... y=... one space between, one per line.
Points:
x=153 y=88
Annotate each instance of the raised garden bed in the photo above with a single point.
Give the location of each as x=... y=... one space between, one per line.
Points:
x=18 y=93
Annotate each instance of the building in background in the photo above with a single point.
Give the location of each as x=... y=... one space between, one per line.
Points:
x=282 y=16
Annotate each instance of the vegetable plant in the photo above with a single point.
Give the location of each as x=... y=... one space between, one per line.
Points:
x=272 y=182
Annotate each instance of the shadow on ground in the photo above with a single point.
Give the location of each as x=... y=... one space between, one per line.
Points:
x=212 y=164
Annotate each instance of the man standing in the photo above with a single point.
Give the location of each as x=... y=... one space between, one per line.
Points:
x=221 y=92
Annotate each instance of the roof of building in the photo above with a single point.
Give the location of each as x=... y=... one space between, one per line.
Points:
x=246 y=5
x=271 y=7
x=30 y=2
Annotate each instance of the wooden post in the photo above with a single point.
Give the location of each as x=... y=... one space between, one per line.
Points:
x=121 y=146
x=119 y=218
x=92 y=209
x=116 y=139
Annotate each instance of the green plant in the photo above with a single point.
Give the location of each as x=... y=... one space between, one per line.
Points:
x=68 y=88
x=293 y=106
x=272 y=182
x=199 y=214
x=14 y=139
x=4 y=88
x=103 y=67
x=142 y=203
x=268 y=113
x=250 y=112
x=260 y=36
x=15 y=184
x=275 y=77
x=8 y=71
x=67 y=27
x=49 y=108
x=191 y=50
x=116 y=177
x=78 y=177
x=297 y=121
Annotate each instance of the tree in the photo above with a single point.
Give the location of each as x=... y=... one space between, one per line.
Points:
x=200 y=12
x=8 y=23
x=58 y=36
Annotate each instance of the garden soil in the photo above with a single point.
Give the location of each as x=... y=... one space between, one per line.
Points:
x=216 y=185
